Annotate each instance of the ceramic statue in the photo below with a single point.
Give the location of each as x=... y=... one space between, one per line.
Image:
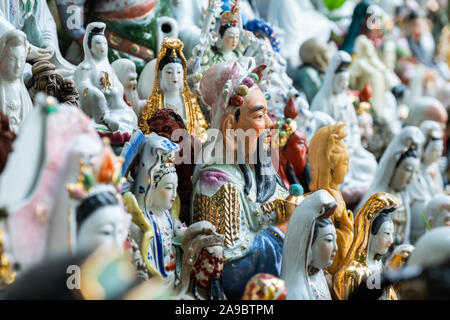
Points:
x=264 y=286
x=45 y=78
x=368 y=68
x=373 y=236
x=250 y=224
x=333 y=99
x=7 y=137
x=167 y=123
x=329 y=160
x=101 y=91
x=134 y=28
x=171 y=90
x=399 y=257
x=125 y=70
x=100 y=218
x=292 y=150
x=437 y=211
x=14 y=99
x=310 y=249
x=45 y=158
x=201 y=264
x=398 y=168
x=315 y=57
x=429 y=182
x=36 y=21
x=154 y=227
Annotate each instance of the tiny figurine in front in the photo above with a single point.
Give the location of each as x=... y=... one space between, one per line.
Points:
x=202 y=263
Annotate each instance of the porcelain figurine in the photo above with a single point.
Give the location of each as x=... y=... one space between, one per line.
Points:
x=170 y=90
x=7 y=137
x=264 y=286
x=14 y=99
x=429 y=182
x=45 y=159
x=36 y=21
x=126 y=72
x=134 y=28
x=45 y=78
x=292 y=150
x=156 y=183
x=201 y=264
x=398 y=168
x=328 y=158
x=101 y=91
x=373 y=236
x=253 y=238
x=315 y=58
x=167 y=123
x=99 y=219
x=437 y=211
x=310 y=249
x=333 y=99
x=368 y=68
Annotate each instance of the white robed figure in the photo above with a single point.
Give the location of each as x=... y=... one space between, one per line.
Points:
x=15 y=101
x=34 y=18
x=333 y=99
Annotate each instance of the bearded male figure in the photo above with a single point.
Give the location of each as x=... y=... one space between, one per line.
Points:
x=235 y=185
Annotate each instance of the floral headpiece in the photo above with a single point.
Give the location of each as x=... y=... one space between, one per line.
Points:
x=230 y=17
x=167 y=166
x=106 y=169
x=245 y=84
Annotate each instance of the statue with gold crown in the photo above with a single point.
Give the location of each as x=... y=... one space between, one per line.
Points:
x=171 y=90
x=373 y=236
x=149 y=201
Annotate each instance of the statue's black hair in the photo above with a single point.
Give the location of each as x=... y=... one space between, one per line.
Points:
x=94 y=32
x=92 y=203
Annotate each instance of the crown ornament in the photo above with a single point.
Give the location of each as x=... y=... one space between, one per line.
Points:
x=230 y=17
x=104 y=169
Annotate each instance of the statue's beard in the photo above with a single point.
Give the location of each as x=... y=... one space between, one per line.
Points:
x=215 y=289
x=50 y=89
x=265 y=175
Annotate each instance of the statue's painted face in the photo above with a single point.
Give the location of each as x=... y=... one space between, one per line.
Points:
x=339 y=162
x=106 y=226
x=172 y=77
x=382 y=241
x=295 y=151
x=13 y=62
x=99 y=47
x=365 y=123
x=341 y=82
x=131 y=80
x=254 y=120
x=324 y=247
x=209 y=265
x=165 y=193
x=230 y=39
x=433 y=151
x=405 y=173
x=47 y=82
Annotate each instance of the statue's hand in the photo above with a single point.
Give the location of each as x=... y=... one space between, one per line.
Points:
x=112 y=124
x=37 y=54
